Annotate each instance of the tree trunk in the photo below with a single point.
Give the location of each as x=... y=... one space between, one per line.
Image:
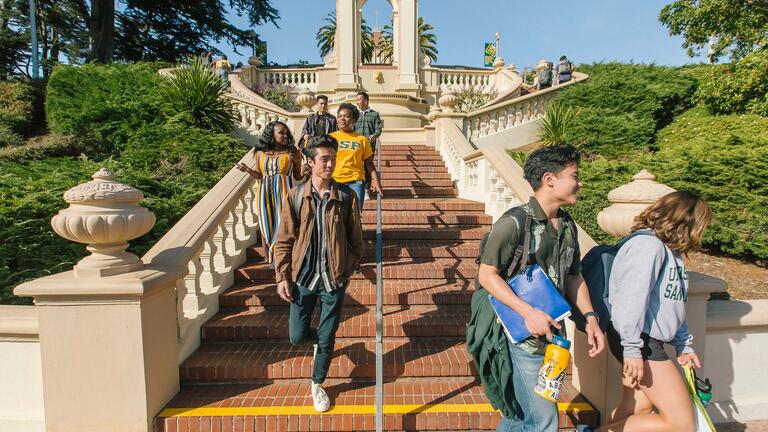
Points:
x=102 y=31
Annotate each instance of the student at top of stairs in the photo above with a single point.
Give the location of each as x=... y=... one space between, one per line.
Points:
x=315 y=254
x=647 y=290
x=355 y=157
x=318 y=123
x=553 y=172
x=278 y=165
x=368 y=125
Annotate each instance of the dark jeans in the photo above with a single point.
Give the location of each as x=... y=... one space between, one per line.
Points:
x=302 y=306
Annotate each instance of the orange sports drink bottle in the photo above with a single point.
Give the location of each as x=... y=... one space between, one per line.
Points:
x=552 y=372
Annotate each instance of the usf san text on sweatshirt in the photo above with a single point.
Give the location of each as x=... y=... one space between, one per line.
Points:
x=645 y=299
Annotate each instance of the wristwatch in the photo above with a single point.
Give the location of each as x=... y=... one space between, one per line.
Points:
x=592 y=313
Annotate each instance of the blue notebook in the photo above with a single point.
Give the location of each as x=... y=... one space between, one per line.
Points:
x=533 y=287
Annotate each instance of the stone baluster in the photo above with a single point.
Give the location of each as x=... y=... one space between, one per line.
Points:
x=221 y=258
x=209 y=276
x=493 y=126
x=252 y=118
x=503 y=120
x=234 y=245
x=189 y=292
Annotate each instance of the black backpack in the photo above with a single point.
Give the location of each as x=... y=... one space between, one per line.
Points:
x=346 y=199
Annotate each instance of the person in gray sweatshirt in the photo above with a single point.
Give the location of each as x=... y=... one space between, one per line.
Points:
x=648 y=289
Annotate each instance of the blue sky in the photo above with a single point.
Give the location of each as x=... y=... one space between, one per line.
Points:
x=586 y=31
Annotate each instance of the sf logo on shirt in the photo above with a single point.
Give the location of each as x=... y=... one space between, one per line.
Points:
x=349 y=145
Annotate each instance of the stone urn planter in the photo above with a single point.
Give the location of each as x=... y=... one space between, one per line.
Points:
x=104 y=214
x=628 y=201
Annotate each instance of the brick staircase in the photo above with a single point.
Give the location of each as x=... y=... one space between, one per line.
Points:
x=246 y=376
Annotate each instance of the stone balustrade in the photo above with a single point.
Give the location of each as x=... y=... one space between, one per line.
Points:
x=296 y=78
x=466 y=79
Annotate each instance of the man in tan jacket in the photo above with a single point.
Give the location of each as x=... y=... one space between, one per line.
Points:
x=319 y=245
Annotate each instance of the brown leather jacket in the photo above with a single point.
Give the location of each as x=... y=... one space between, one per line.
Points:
x=345 y=238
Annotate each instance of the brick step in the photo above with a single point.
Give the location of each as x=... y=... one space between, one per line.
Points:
x=406 y=248
x=286 y=405
x=422 y=204
x=421 y=192
x=413 y=163
x=437 y=175
x=269 y=360
x=416 y=159
x=394 y=268
x=414 y=232
x=356 y=322
x=425 y=217
x=361 y=292
x=411 y=167
x=406 y=183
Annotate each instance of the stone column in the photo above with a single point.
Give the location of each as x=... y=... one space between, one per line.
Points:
x=347 y=45
x=407 y=42
x=108 y=337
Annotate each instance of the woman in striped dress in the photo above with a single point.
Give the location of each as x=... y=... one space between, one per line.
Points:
x=278 y=164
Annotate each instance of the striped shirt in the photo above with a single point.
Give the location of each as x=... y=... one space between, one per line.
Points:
x=315 y=268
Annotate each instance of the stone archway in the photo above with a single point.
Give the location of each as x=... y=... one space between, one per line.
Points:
x=405 y=34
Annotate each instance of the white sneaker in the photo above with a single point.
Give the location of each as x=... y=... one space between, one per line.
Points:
x=320 y=398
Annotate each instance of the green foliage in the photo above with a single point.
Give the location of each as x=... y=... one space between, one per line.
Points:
x=738 y=87
x=471 y=98
x=45 y=146
x=735 y=27
x=8 y=138
x=280 y=95
x=173 y=163
x=196 y=95
x=725 y=159
x=19 y=106
x=557 y=122
x=518 y=156
x=103 y=105
x=326 y=37
x=622 y=106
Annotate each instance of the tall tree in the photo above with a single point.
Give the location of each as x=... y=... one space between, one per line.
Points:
x=102 y=31
x=326 y=37
x=722 y=27
x=173 y=29
x=14 y=37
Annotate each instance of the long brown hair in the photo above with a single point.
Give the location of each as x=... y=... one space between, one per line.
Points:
x=678 y=219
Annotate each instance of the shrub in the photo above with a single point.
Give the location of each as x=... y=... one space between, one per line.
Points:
x=609 y=133
x=20 y=106
x=725 y=159
x=196 y=95
x=738 y=87
x=556 y=124
x=280 y=95
x=50 y=145
x=474 y=97
x=8 y=138
x=102 y=105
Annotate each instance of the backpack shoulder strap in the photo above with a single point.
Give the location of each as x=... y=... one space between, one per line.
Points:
x=298 y=199
x=520 y=259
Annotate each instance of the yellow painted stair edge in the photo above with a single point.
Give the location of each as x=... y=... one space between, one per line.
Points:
x=348 y=409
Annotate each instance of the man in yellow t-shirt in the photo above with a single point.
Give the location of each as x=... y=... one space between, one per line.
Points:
x=355 y=156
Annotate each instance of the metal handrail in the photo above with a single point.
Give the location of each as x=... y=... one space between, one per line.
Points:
x=379 y=302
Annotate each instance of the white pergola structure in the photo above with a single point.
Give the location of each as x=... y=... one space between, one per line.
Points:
x=347 y=53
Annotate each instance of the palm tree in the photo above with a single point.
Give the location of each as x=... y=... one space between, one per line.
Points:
x=427 y=42
x=326 y=37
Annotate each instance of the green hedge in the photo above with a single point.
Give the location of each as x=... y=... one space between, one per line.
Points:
x=20 y=110
x=722 y=157
x=725 y=159
x=114 y=115
x=738 y=87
